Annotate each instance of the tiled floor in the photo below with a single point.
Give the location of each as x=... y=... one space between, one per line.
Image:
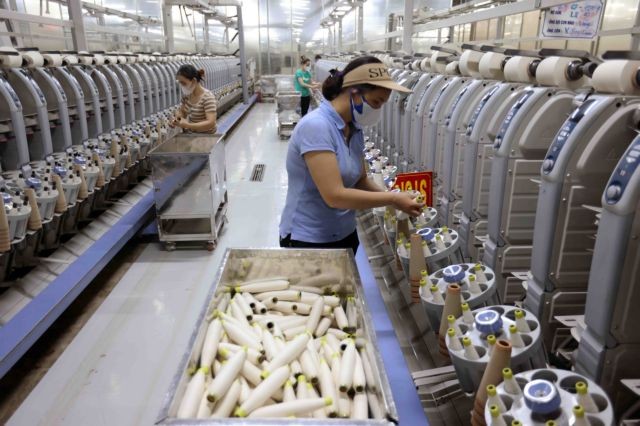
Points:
x=119 y=366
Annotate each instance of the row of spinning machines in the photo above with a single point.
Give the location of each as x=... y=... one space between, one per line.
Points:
x=75 y=131
x=534 y=156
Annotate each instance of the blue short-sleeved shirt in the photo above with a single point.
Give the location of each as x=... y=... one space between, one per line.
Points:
x=306 y=216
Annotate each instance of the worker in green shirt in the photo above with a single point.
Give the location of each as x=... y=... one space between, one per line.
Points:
x=304 y=84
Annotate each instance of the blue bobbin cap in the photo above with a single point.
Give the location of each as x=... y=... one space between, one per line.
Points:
x=60 y=171
x=542 y=397
x=488 y=322
x=33 y=182
x=427 y=234
x=453 y=274
x=80 y=160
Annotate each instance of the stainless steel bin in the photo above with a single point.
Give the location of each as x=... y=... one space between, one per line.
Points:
x=190 y=188
x=263 y=263
x=287 y=104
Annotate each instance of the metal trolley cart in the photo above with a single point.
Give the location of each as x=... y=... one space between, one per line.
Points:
x=287 y=104
x=193 y=164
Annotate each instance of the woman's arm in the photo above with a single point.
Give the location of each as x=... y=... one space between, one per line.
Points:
x=367 y=184
x=303 y=84
x=325 y=173
x=203 y=126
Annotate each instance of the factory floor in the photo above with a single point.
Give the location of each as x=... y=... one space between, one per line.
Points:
x=111 y=357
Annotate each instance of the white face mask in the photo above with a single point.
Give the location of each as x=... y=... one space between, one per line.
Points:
x=187 y=90
x=364 y=114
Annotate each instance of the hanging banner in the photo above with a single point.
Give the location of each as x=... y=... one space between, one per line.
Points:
x=579 y=19
x=421 y=181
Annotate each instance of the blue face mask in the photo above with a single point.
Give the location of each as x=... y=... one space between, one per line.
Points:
x=364 y=114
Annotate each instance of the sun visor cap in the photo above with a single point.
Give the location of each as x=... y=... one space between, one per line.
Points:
x=375 y=74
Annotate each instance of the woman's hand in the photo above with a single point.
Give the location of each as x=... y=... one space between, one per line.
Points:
x=407 y=203
x=184 y=124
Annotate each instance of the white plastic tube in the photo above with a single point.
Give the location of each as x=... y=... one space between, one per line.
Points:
x=237 y=313
x=454 y=341
x=288 y=409
x=269 y=345
x=241 y=337
x=321 y=280
x=220 y=384
x=333 y=301
x=467 y=316
x=191 y=400
x=291 y=333
x=360 y=410
x=308 y=297
x=263 y=391
x=296 y=368
x=285 y=307
x=320 y=413
x=346 y=367
x=291 y=351
x=341 y=318
x=333 y=341
x=315 y=315
x=205 y=408
x=344 y=406
x=352 y=313
x=264 y=286
x=368 y=372
x=288 y=394
x=301 y=389
x=374 y=406
x=245 y=390
x=327 y=387
x=470 y=351
x=359 y=379
x=521 y=322
x=244 y=306
x=322 y=327
x=515 y=337
x=309 y=368
x=228 y=402
x=307 y=289
x=283 y=295
x=211 y=342
x=251 y=373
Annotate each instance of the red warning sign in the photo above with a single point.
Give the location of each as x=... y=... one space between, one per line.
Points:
x=420 y=181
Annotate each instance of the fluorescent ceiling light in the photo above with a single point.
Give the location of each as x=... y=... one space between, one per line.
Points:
x=345 y=8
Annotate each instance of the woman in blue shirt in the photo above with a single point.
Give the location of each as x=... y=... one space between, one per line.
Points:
x=325 y=161
x=304 y=84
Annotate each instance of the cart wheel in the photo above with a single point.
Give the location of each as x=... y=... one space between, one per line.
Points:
x=211 y=246
x=170 y=246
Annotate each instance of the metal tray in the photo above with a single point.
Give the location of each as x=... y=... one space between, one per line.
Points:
x=269 y=263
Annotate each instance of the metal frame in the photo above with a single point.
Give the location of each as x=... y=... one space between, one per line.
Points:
x=17 y=336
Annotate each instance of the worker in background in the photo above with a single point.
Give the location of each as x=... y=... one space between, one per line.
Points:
x=313 y=67
x=197 y=112
x=325 y=161
x=304 y=84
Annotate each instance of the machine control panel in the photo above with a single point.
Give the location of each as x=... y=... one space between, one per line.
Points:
x=625 y=169
x=479 y=108
x=437 y=99
x=563 y=135
x=455 y=104
x=513 y=111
